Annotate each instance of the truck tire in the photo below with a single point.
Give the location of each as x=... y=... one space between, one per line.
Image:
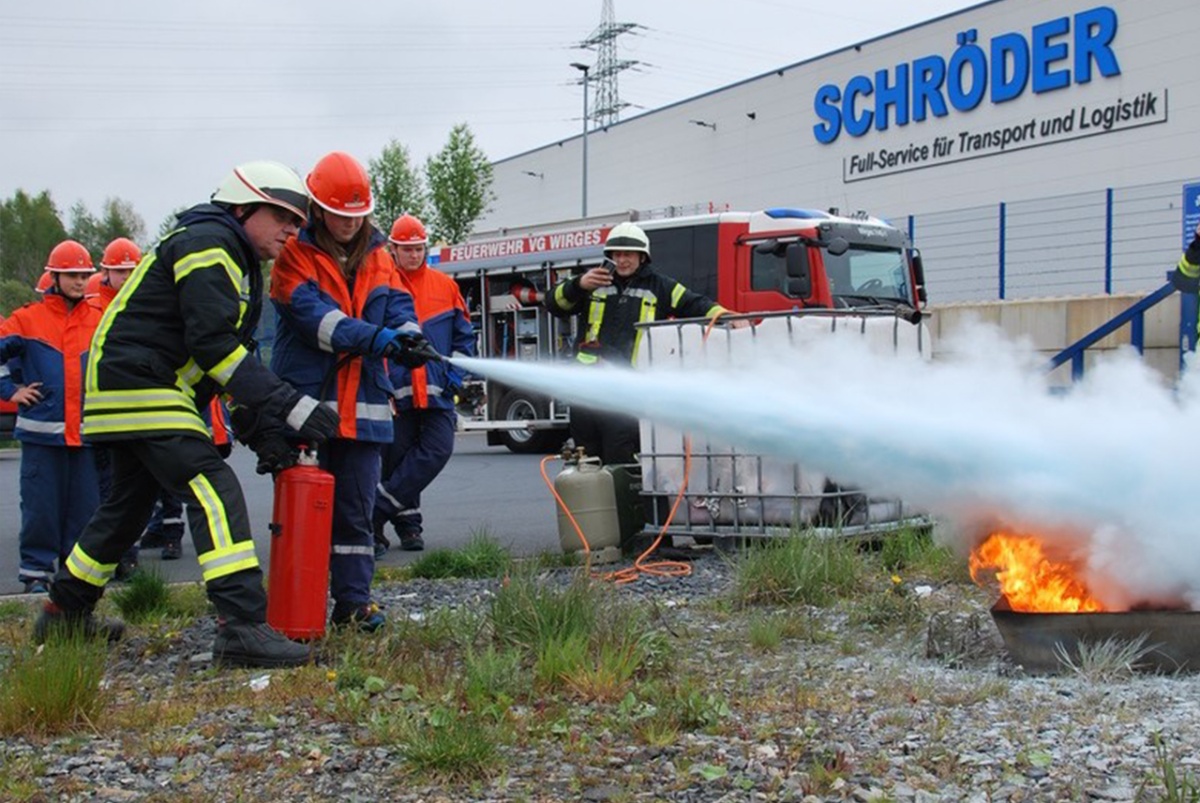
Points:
x=521 y=405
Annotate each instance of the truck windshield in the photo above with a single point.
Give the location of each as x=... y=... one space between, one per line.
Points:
x=870 y=274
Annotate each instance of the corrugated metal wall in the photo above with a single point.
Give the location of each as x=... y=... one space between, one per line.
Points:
x=1120 y=240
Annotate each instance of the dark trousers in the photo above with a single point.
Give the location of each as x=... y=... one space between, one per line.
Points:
x=191 y=469
x=355 y=469
x=423 y=443
x=167 y=518
x=60 y=489
x=612 y=437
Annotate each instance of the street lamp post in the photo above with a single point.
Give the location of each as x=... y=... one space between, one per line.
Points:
x=584 y=69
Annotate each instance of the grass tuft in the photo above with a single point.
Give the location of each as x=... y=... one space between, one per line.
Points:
x=481 y=557
x=803 y=569
x=144 y=597
x=450 y=744
x=1178 y=787
x=54 y=688
x=1111 y=659
x=534 y=615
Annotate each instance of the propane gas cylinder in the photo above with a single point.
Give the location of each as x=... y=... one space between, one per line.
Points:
x=301 y=532
x=586 y=489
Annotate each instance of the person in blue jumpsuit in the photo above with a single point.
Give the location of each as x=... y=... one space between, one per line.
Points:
x=426 y=419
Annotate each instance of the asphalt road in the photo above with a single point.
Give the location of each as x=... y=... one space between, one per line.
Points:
x=483 y=489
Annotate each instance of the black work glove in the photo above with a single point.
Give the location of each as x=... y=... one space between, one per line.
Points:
x=275 y=452
x=410 y=349
x=314 y=422
x=1184 y=283
x=245 y=424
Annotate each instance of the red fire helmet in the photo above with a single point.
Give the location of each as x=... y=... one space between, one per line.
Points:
x=339 y=184
x=93 y=285
x=44 y=281
x=70 y=257
x=408 y=230
x=121 y=253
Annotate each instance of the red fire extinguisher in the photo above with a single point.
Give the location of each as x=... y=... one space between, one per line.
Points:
x=301 y=530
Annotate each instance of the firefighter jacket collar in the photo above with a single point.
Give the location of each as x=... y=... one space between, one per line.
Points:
x=211 y=212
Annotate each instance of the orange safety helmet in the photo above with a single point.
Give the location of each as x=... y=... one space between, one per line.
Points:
x=407 y=230
x=93 y=286
x=339 y=184
x=70 y=257
x=121 y=253
x=44 y=281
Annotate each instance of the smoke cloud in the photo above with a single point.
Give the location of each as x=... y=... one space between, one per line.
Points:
x=1103 y=473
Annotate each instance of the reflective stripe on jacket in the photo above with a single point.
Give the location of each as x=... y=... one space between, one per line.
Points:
x=322 y=318
x=47 y=342
x=180 y=330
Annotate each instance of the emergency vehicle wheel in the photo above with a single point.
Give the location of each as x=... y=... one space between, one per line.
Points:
x=520 y=405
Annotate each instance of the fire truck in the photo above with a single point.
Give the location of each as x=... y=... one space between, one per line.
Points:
x=784 y=259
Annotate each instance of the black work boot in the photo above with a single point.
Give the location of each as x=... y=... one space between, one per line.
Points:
x=243 y=643
x=54 y=622
x=412 y=542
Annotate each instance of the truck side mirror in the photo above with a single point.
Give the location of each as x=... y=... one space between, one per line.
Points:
x=837 y=246
x=919 y=276
x=799 y=276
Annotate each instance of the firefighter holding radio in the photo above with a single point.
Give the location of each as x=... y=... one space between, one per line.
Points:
x=181 y=331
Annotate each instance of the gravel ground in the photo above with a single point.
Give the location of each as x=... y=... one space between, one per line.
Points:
x=848 y=714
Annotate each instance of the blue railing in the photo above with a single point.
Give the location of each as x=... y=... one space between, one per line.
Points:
x=1135 y=316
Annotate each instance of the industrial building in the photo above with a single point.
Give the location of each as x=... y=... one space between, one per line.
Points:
x=1030 y=149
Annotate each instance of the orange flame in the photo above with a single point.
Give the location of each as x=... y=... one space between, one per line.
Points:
x=1028 y=579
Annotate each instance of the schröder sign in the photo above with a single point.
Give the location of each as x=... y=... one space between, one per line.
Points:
x=1056 y=54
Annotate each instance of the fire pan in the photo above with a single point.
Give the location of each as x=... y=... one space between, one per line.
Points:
x=1172 y=636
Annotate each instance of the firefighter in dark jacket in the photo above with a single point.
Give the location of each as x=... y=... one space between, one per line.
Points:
x=615 y=297
x=179 y=332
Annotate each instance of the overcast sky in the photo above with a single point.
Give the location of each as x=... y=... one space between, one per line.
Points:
x=153 y=101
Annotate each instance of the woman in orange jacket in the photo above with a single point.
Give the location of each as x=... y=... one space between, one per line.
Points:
x=341 y=309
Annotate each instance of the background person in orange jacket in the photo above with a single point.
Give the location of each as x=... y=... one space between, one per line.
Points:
x=120 y=257
x=342 y=308
x=426 y=421
x=43 y=357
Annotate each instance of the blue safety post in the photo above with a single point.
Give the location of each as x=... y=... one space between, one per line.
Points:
x=1002 y=236
x=1108 y=241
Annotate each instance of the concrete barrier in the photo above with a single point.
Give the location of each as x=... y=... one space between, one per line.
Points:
x=1051 y=324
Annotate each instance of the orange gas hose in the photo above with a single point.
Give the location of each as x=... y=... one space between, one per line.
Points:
x=660 y=568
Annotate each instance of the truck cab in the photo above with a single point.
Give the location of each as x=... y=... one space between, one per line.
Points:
x=787 y=258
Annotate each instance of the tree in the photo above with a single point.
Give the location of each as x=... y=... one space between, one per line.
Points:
x=169 y=224
x=459 y=178
x=117 y=220
x=396 y=185
x=29 y=228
